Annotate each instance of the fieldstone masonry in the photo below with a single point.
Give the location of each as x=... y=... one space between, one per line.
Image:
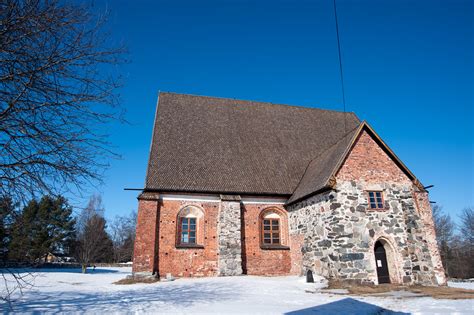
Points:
x=229 y=237
x=340 y=233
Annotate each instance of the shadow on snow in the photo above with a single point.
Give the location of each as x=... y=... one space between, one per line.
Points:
x=141 y=299
x=68 y=270
x=345 y=306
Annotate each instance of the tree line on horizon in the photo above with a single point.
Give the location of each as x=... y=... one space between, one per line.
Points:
x=48 y=226
x=455 y=242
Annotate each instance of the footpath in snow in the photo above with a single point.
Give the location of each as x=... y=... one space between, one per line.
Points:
x=67 y=290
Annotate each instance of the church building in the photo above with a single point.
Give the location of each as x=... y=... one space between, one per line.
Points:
x=253 y=188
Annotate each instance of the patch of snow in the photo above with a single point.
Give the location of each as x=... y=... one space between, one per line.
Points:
x=64 y=291
x=461 y=285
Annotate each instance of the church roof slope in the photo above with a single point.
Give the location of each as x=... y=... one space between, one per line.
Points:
x=320 y=170
x=218 y=145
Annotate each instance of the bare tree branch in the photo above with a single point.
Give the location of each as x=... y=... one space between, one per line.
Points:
x=58 y=87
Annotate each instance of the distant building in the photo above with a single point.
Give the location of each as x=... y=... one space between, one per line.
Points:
x=57 y=258
x=238 y=187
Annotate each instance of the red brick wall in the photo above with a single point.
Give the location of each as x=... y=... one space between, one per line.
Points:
x=158 y=221
x=187 y=262
x=258 y=261
x=145 y=249
x=423 y=206
x=367 y=161
x=296 y=244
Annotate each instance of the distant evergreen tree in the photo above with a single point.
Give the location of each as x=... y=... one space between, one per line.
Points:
x=21 y=232
x=42 y=227
x=61 y=224
x=7 y=212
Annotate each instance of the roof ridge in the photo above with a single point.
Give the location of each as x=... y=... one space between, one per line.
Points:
x=260 y=102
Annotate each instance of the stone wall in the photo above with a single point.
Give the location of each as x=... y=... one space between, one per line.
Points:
x=340 y=232
x=308 y=222
x=229 y=235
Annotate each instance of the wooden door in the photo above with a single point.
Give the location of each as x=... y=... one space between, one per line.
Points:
x=381 y=263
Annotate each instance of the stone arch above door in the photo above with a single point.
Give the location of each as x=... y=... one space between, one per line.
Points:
x=393 y=259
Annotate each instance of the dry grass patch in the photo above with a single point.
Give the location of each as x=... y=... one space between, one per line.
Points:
x=374 y=289
x=434 y=292
x=131 y=280
x=444 y=292
x=359 y=289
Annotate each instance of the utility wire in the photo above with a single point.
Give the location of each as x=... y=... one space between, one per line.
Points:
x=340 y=66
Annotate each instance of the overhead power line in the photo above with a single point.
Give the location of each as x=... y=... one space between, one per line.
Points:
x=340 y=65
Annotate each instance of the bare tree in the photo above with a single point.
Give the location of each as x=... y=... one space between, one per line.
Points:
x=93 y=243
x=58 y=86
x=467 y=226
x=444 y=227
x=21 y=280
x=456 y=242
x=466 y=229
x=123 y=236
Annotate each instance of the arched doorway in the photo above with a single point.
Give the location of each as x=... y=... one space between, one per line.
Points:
x=381 y=263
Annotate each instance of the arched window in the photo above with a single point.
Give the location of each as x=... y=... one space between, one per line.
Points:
x=190 y=227
x=273 y=228
x=188 y=231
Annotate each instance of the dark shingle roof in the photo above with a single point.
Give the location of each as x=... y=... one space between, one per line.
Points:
x=207 y=144
x=322 y=167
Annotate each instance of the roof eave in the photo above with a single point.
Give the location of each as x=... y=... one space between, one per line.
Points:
x=317 y=192
x=214 y=192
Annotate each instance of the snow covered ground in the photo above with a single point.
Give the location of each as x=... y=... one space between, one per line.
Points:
x=68 y=290
x=462 y=285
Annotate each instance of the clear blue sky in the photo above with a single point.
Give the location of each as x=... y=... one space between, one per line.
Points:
x=408 y=69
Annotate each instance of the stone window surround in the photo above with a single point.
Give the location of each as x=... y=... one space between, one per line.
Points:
x=273 y=211
x=191 y=211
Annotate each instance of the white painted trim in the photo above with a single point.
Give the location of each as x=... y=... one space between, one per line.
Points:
x=201 y=198
x=216 y=198
x=264 y=200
